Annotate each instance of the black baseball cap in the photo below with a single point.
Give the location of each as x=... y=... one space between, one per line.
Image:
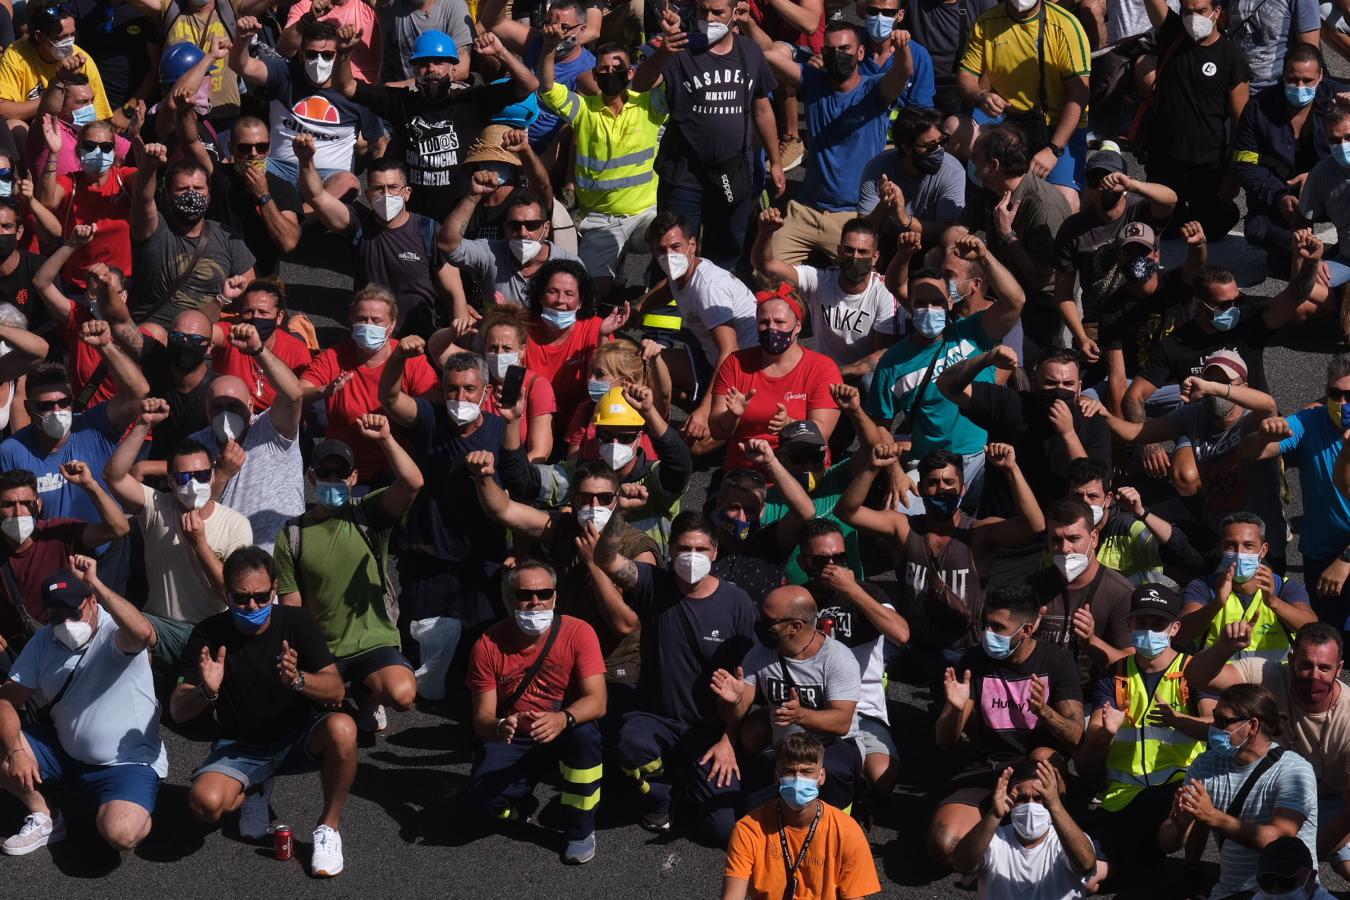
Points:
x=1157 y=600
x=64 y=590
x=1284 y=857
x=332 y=447
x=804 y=433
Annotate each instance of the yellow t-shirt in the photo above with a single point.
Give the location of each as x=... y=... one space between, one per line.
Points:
x=202 y=28
x=24 y=75
x=1004 y=49
x=838 y=863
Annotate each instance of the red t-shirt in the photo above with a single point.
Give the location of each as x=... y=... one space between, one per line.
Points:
x=805 y=388
x=53 y=541
x=361 y=396
x=500 y=659
x=539 y=401
x=107 y=205
x=228 y=361
x=567 y=365
x=581 y=431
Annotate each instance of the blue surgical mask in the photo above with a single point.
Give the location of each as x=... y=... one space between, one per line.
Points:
x=561 y=319
x=953 y=291
x=1226 y=319
x=880 y=27
x=97 y=162
x=971 y=174
x=797 y=791
x=942 y=504
x=597 y=389
x=1300 y=94
x=83 y=115
x=998 y=646
x=1341 y=153
x=1247 y=564
x=1150 y=643
x=369 y=336
x=930 y=321
x=251 y=620
x=1221 y=742
x=332 y=494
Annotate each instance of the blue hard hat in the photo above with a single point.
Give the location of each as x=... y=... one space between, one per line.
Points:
x=175 y=62
x=434 y=45
x=520 y=114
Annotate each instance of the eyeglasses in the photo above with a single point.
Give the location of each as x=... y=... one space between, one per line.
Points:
x=261 y=148
x=91 y=146
x=588 y=498
x=821 y=560
x=1278 y=884
x=1337 y=395
x=524 y=224
x=619 y=437
x=376 y=190
x=244 y=598
x=201 y=476
x=775 y=622
x=325 y=55
x=1225 y=721
x=524 y=595
x=47 y=406
x=185 y=338
x=328 y=473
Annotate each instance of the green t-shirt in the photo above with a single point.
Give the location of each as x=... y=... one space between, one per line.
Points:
x=339 y=581
x=826 y=497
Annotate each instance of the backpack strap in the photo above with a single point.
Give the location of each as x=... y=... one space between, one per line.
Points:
x=1122 y=680
x=362 y=523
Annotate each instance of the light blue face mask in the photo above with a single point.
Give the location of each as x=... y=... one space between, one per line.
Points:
x=6 y=188
x=930 y=321
x=970 y=173
x=97 y=162
x=1226 y=319
x=332 y=494
x=1247 y=564
x=797 y=791
x=1341 y=153
x=561 y=319
x=1150 y=643
x=251 y=621
x=83 y=115
x=1220 y=742
x=597 y=389
x=1300 y=95
x=953 y=291
x=369 y=336
x=880 y=27
x=998 y=646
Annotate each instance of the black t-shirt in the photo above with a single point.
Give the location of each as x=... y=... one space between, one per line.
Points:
x=234 y=206
x=1183 y=352
x=755 y=565
x=118 y=36
x=1190 y=104
x=1021 y=418
x=840 y=618
x=711 y=100
x=254 y=705
x=401 y=259
x=17 y=288
x=433 y=139
x=675 y=673
x=937 y=25
x=1087 y=245
x=1003 y=726
x=1135 y=325
x=1107 y=595
x=187 y=411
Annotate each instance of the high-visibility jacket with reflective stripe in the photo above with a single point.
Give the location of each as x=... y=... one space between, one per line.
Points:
x=616 y=155
x=1144 y=755
x=1270 y=638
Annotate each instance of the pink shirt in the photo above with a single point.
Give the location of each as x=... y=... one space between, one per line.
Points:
x=68 y=160
x=366 y=57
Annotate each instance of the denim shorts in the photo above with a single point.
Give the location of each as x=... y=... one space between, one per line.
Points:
x=134 y=782
x=252 y=764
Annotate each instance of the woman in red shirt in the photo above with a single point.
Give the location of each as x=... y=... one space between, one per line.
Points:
x=564 y=331
x=616 y=364
x=758 y=391
x=263 y=305
x=98 y=194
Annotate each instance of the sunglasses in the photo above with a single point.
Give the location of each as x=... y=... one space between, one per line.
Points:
x=524 y=224
x=243 y=598
x=261 y=148
x=1337 y=395
x=91 y=146
x=816 y=455
x=185 y=338
x=1278 y=884
x=6 y=174
x=621 y=437
x=29 y=505
x=57 y=616
x=821 y=560
x=49 y=405
x=325 y=55
x=526 y=594
x=878 y=11
x=341 y=473
x=1225 y=721
x=772 y=623
x=201 y=476
x=588 y=498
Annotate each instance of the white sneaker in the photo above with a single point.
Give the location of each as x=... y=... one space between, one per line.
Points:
x=327 y=859
x=255 y=815
x=38 y=830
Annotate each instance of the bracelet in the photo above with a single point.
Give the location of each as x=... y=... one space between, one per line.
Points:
x=209 y=698
x=1229 y=392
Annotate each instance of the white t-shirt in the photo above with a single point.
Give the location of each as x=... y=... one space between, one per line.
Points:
x=843 y=323
x=715 y=297
x=1010 y=871
x=179 y=589
x=270 y=488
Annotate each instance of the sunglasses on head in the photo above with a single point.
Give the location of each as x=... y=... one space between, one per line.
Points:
x=91 y=146
x=243 y=598
x=325 y=55
x=612 y=437
x=526 y=594
x=524 y=224
x=184 y=337
x=202 y=476
x=259 y=148
x=332 y=473
x=49 y=405
x=588 y=498
x=821 y=560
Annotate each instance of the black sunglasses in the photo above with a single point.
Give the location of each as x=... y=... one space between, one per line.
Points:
x=327 y=473
x=524 y=594
x=610 y=437
x=821 y=560
x=57 y=616
x=202 y=476
x=6 y=174
x=49 y=405
x=1337 y=395
x=588 y=498
x=813 y=455
x=261 y=148
x=524 y=224
x=243 y=598
x=772 y=622
x=1224 y=721
x=91 y=146
x=326 y=55
x=185 y=338
x=878 y=11
x=1278 y=884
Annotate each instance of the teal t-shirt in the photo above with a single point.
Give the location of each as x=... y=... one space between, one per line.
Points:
x=826 y=496
x=938 y=423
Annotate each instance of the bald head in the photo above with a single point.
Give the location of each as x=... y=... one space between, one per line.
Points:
x=228 y=387
x=790 y=602
x=190 y=321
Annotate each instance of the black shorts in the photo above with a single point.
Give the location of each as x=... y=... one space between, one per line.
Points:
x=972 y=786
x=1130 y=835
x=355 y=668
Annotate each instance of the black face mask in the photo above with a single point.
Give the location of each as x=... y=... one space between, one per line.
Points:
x=186 y=355
x=930 y=161
x=838 y=64
x=1048 y=398
x=612 y=84
x=7 y=244
x=264 y=327
x=1139 y=270
x=767 y=635
x=434 y=89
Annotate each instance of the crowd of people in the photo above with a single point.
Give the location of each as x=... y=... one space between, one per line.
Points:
x=968 y=422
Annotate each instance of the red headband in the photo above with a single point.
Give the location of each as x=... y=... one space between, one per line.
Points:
x=784 y=292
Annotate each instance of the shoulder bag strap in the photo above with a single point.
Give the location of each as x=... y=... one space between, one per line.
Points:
x=536 y=665
x=1240 y=798
x=362 y=523
x=181 y=278
x=69 y=678
x=962 y=33
x=927 y=377
x=1040 y=63
x=15 y=596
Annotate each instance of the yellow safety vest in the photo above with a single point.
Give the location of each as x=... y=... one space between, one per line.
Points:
x=1144 y=755
x=1270 y=639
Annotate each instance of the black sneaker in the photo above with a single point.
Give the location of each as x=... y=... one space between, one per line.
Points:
x=658 y=820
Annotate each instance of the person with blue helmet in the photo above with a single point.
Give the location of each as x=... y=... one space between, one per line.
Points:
x=403 y=22
x=435 y=123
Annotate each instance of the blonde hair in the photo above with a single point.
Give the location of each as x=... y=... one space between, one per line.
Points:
x=378 y=294
x=624 y=359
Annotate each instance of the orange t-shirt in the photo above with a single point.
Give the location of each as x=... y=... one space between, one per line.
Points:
x=838 y=863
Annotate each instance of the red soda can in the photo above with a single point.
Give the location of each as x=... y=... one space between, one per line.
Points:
x=827 y=626
x=283 y=842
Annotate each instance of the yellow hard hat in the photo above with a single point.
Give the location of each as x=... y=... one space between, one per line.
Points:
x=613 y=411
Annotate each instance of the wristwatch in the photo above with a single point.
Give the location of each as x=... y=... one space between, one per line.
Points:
x=1056 y=149
x=571 y=720
x=263 y=200
x=1345 y=555
x=298 y=684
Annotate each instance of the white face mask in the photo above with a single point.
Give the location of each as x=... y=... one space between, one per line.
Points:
x=1071 y=565
x=463 y=412
x=63 y=48
x=674 y=265
x=319 y=69
x=1098 y=513
x=524 y=249
x=714 y=30
x=534 y=622
x=617 y=455
x=18 y=529
x=73 y=633
x=1030 y=820
x=1198 y=27
x=388 y=206
x=600 y=515
x=227 y=426
x=691 y=568
x=193 y=495
x=56 y=424
x=1022 y=6
x=498 y=363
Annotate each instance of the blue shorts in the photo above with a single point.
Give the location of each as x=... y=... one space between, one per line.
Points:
x=1068 y=172
x=252 y=764
x=359 y=666
x=134 y=782
x=1329 y=806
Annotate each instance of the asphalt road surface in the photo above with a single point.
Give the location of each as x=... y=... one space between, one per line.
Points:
x=407 y=832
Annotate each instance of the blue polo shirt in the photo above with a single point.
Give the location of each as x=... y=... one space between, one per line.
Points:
x=1313 y=447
